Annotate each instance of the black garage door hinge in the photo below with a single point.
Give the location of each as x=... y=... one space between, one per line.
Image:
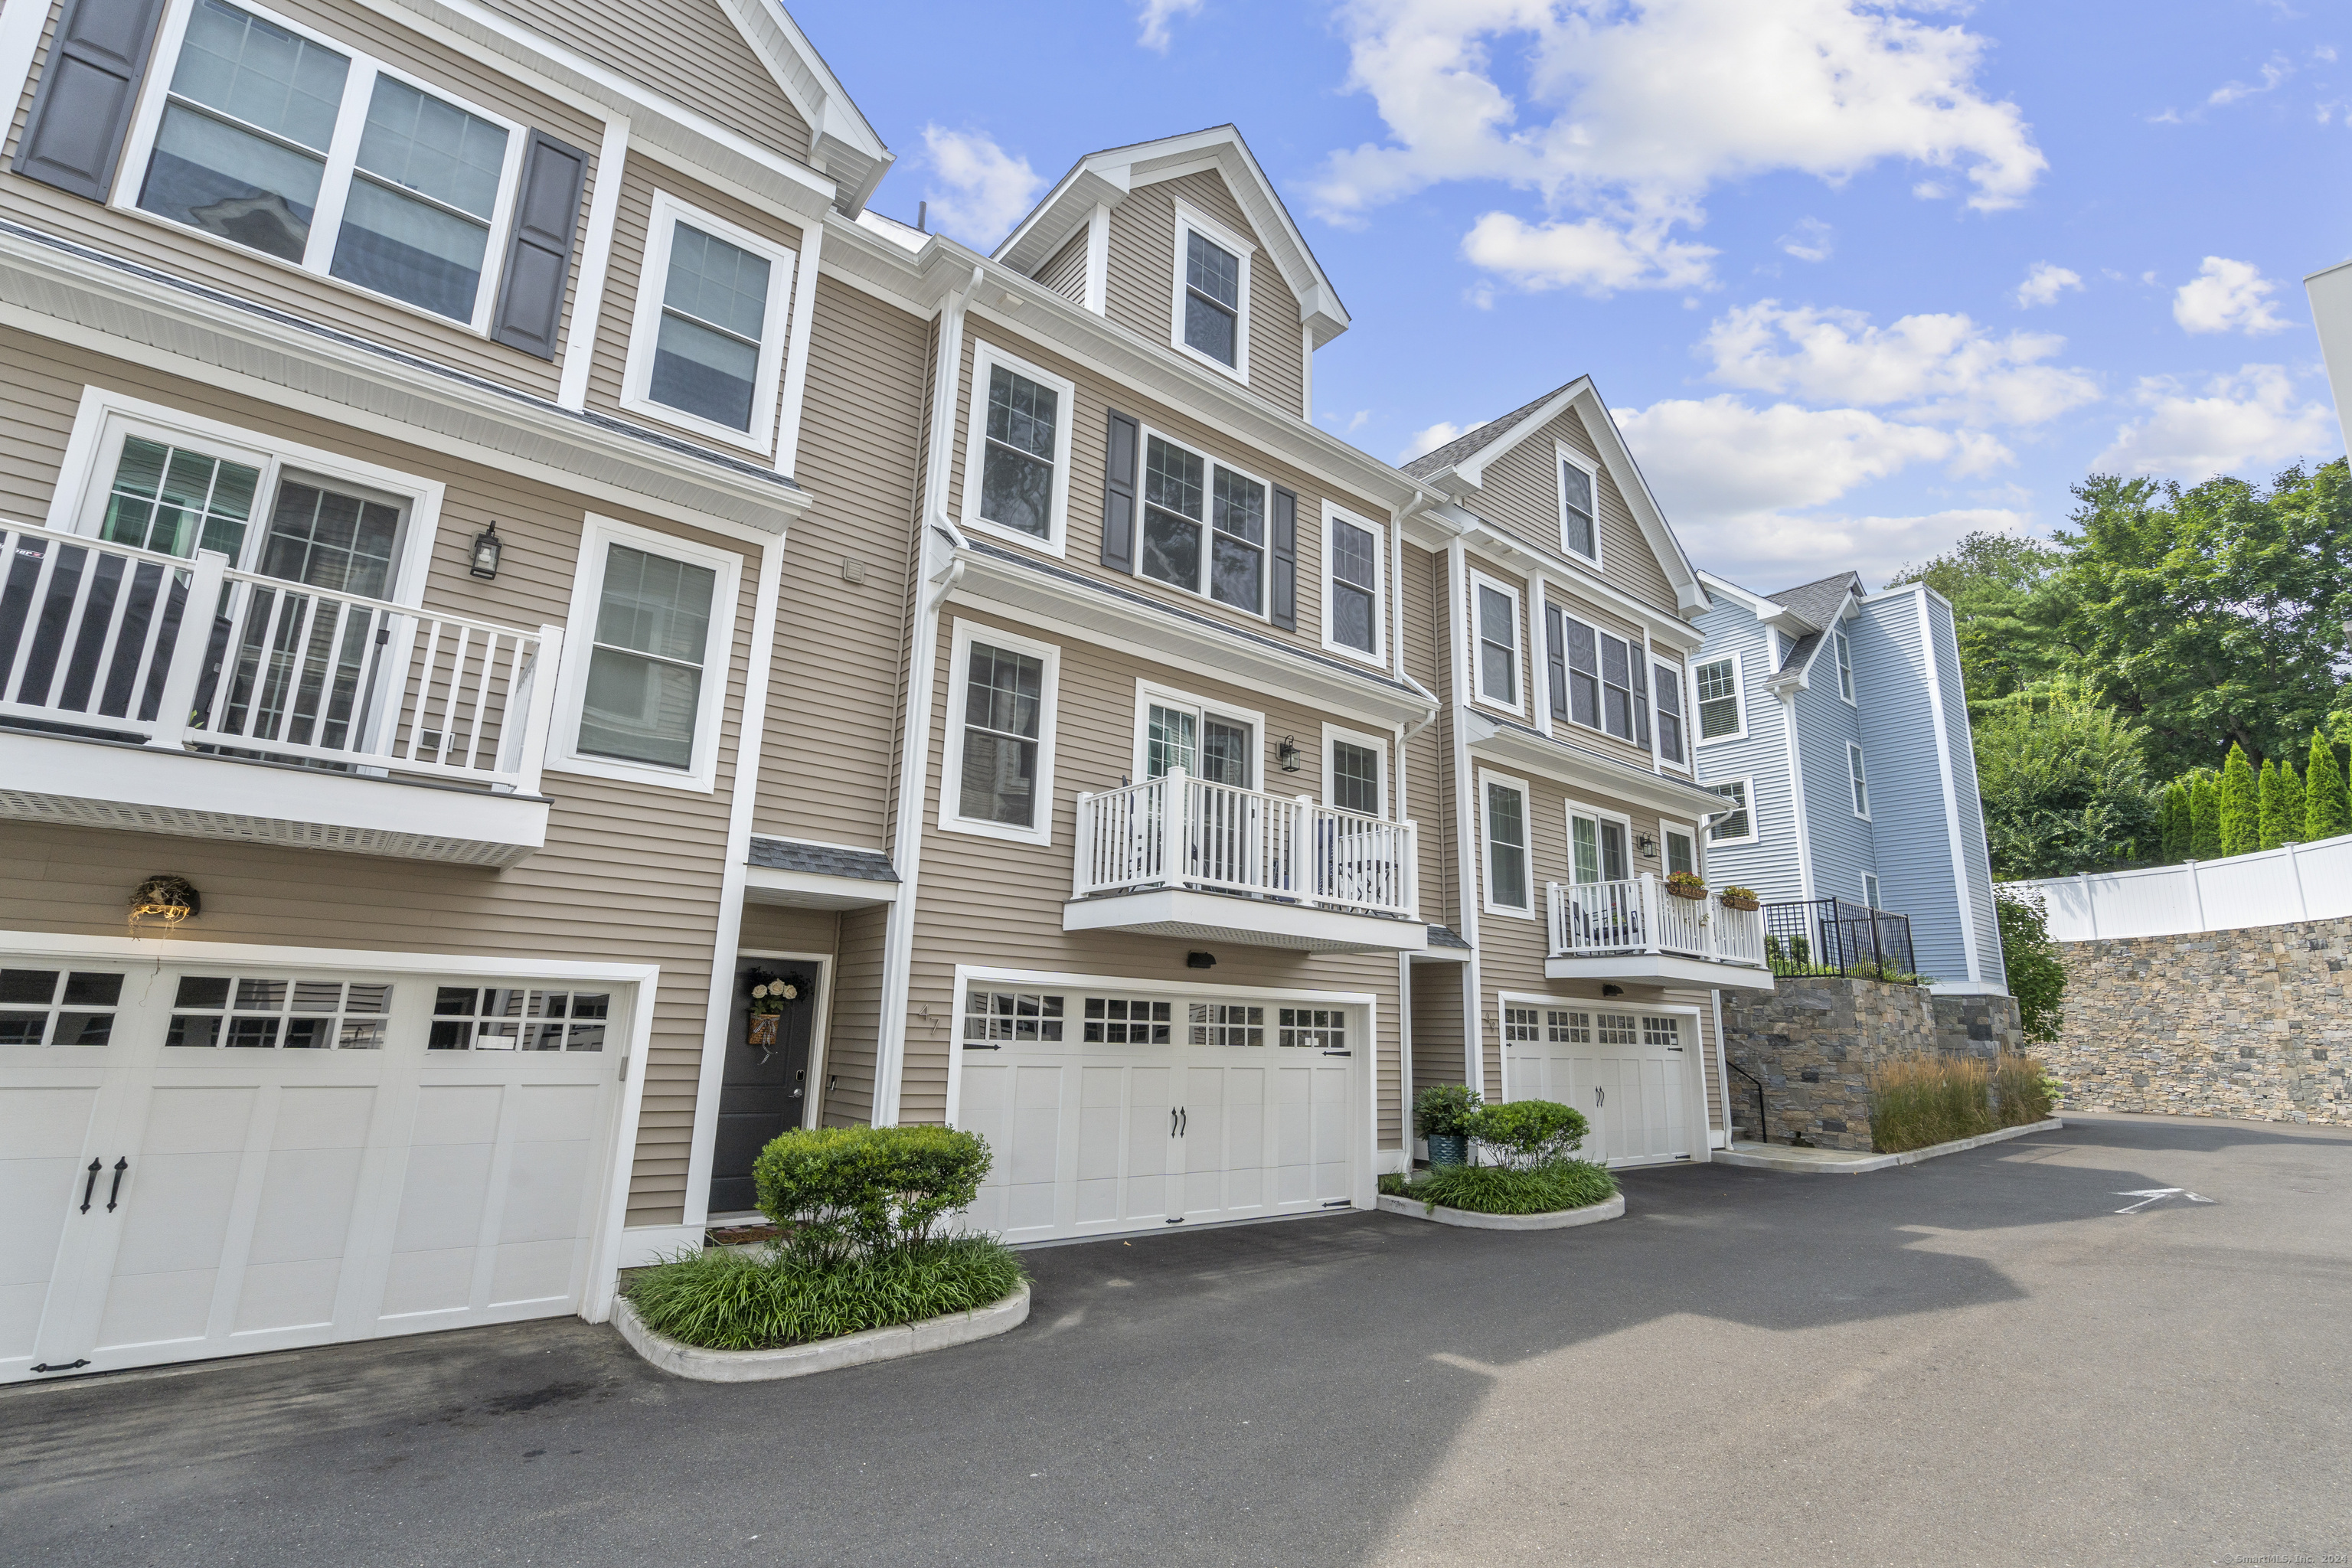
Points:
x=1338 y=1053
x=62 y=1366
x=1341 y=1204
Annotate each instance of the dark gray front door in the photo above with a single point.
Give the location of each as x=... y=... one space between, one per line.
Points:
x=765 y=1089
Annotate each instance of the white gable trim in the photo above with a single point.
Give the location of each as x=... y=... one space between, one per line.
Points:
x=842 y=141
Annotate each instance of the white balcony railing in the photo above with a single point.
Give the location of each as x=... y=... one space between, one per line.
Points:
x=1638 y=915
x=178 y=653
x=1178 y=831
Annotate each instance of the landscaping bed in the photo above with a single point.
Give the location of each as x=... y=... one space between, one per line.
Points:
x=1534 y=1181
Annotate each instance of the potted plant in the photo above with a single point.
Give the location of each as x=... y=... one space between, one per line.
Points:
x=1738 y=898
x=1685 y=885
x=1445 y=1114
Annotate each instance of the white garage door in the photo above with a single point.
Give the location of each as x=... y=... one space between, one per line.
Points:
x=215 y=1160
x=1123 y=1112
x=1629 y=1073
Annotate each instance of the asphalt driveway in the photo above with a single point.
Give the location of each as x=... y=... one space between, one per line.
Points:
x=1973 y=1361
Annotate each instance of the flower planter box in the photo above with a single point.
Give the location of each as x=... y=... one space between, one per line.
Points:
x=1611 y=1207
x=1694 y=895
x=682 y=1360
x=1747 y=906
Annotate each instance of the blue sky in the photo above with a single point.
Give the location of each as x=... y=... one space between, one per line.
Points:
x=1856 y=278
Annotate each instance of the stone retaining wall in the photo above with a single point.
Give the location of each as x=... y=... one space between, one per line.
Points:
x=2256 y=1022
x=1811 y=1041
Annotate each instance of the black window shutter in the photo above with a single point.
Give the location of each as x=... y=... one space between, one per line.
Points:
x=539 y=255
x=73 y=138
x=1285 y=561
x=1556 y=641
x=1119 y=493
x=1640 y=700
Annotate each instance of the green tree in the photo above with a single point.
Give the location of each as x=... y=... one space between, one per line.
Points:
x=2242 y=805
x=2291 y=802
x=1990 y=579
x=2063 y=783
x=2205 y=818
x=2036 y=976
x=2325 y=811
x=2272 y=816
x=2179 y=835
x=2214 y=615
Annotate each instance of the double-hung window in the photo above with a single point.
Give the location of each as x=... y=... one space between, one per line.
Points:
x=1212 y=300
x=1845 y=666
x=1861 y=782
x=1204 y=526
x=1509 y=880
x=1351 y=585
x=646 y=658
x=1681 y=848
x=1719 y=718
x=1580 y=532
x=707 y=343
x=1870 y=894
x=1737 y=823
x=1017 y=468
x=253 y=143
x=999 y=748
x=1355 y=770
x=1669 y=682
x=1495 y=645
x=1596 y=679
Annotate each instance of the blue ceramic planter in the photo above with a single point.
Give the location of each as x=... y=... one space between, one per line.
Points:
x=1449 y=1148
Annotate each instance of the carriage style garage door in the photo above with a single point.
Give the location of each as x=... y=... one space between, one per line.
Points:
x=1111 y=1111
x=214 y=1160
x=1634 y=1075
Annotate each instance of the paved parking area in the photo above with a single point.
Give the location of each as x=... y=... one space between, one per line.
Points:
x=1972 y=1361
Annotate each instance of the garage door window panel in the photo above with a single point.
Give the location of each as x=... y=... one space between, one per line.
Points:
x=1016 y=1015
x=57 y=1007
x=1129 y=1021
x=277 y=1012
x=518 y=1018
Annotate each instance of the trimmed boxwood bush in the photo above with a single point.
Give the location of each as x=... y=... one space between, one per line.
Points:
x=1531 y=1133
x=845 y=1190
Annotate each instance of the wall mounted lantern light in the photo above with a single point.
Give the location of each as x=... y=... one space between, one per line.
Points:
x=1285 y=755
x=486 y=549
x=165 y=898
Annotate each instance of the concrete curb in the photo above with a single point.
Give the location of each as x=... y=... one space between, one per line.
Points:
x=1558 y=1219
x=1868 y=1162
x=825 y=1355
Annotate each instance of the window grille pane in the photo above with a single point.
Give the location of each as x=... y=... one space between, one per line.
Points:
x=1569 y=1028
x=260 y=73
x=1519 y=1025
x=1507 y=855
x=716 y=283
x=645 y=681
x=1227 y=1024
x=1017 y=468
x=1576 y=498
x=419 y=141
x=1312 y=1028
x=230 y=182
x=1583 y=674
x=265 y=1012
x=1616 y=1028
x=1585 y=842
x=1226 y=753
x=1737 y=824
x=1718 y=700
x=1661 y=1031
x=1169 y=743
x=171 y=499
x=1212 y=300
x=411 y=250
x=1356 y=778
x=323 y=539
x=1004 y=694
x=1237 y=554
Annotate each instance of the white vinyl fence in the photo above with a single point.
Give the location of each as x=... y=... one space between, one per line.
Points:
x=2272 y=887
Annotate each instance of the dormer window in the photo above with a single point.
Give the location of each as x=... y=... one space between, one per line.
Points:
x=1211 y=317
x=1580 y=532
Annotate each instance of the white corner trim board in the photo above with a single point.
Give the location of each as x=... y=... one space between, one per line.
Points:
x=824 y=1355
x=1557 y=1219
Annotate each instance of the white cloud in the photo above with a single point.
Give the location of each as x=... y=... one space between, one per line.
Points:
x=1154 y=17
x=1630 y=114
x=1809 y=240
x=1719 y=463
x=1774 y=551
x=2250 y=419
x=2275 y=70
x=979 y=191
x=2227 y=296
x=1936 y=367
x=1430 y=439
x=2044 y=282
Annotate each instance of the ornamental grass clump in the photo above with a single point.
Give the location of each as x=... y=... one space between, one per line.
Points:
x=1921 y=1100
x=2024 y=1090
x=865 y=1213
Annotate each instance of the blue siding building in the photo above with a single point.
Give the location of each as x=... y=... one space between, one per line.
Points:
x=1833 y=722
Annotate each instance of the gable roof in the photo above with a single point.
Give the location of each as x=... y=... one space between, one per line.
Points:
x=1817 y=604
x=1804 y=615
x=1464 y=459
x=1107 y=177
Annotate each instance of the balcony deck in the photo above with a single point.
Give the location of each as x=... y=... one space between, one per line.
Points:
x=1633 y=929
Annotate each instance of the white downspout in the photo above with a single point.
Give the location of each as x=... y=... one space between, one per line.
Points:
x=914 y=747
x=1470 y=874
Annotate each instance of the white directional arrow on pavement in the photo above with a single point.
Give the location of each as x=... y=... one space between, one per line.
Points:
x=2147 y=1195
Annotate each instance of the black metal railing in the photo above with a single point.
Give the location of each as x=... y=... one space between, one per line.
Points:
x=1835 y=936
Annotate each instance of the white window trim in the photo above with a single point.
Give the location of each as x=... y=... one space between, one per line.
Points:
x=580 y=644
x=951 y=818
x=1599 y=814
x=1147 y=691
x=1471 y=629
x=1843 y=653
x=1739 y=701
x=342 y=154
x=652 y=278
x=1872 y=890
x=1567 y=454
x=1687 y=717
x=1145 y=435
x=985 y=358
x=1746 y=783
x=1689 y=830
x=1486 y=846
x=1189 y=219
x=1377 y=744
x=85 y=479
x=1857 y=779
x=1378 y=658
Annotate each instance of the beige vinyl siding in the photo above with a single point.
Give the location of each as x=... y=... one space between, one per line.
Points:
x=631 y=873
x=247 y=274
x=1066 y=271
x=833 y=720
x=1437 y=1056
x=1089 y=433
x=687 y=50
x=639 y=181
x=778 y=929
x=987 y=903
x=1141 y=286
x=1521 y=494
x=848 y=1088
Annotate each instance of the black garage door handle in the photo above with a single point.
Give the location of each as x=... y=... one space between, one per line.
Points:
x=116 y=1191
